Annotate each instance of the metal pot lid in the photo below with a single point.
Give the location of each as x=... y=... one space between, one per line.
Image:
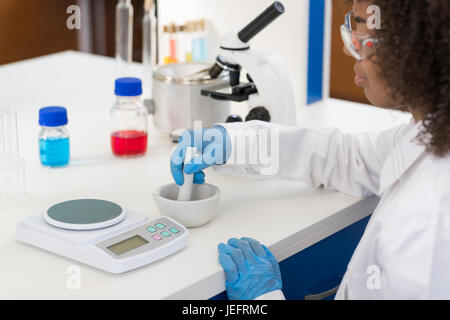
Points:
x=189 y=73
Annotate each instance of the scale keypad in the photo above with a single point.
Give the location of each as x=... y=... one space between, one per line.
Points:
x=156 y=233
x=163 y=233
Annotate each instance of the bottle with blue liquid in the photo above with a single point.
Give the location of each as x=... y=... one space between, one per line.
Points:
x=54 y=137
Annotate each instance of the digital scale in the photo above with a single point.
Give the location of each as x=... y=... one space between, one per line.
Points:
x=102 y=234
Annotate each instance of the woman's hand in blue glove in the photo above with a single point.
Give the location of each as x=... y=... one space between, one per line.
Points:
x=215 y=147
x=250 y=268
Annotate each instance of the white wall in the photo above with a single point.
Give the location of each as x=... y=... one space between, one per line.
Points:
x=288 y=35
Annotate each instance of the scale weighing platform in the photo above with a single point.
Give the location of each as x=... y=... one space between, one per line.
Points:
x=102 y=234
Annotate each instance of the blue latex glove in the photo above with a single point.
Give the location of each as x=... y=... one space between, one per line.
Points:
x=250 y=269
x=215 y=146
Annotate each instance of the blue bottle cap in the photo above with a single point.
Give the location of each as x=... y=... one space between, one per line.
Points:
x=53 y=116
x=128 y=87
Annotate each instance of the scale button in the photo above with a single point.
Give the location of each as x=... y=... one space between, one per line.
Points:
x=165 y=234
x=174 y=230
x=151 y=229
x=157 y=237
x=159 y=225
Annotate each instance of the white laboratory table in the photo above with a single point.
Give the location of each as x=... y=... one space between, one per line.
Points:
x=287 y=216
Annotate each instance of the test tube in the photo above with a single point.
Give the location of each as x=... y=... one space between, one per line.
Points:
x=12 y=167
x=202 y=40
x=182 y=44
x=124 y=37
x=166 y=44
x=148 y=46
x=188 y=41
x=9 y=143
x=195 y=42
x=173 y=42
x=2 y=133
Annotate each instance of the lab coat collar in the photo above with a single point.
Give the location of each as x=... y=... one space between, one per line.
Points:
x=402 y=157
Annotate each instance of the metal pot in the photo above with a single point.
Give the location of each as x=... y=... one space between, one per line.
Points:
x=177 y=99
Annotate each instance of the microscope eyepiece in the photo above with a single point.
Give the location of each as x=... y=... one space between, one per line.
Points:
x=261 y=21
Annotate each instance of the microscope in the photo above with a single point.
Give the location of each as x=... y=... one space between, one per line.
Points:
x=268 y=92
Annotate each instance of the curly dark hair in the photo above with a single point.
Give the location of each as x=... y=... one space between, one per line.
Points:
x=414 y=60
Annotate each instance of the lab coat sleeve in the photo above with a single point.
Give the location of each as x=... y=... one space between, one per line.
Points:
x=273 y=295
x=328 y=157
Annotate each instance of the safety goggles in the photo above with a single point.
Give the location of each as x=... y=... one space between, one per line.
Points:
x=360 y=45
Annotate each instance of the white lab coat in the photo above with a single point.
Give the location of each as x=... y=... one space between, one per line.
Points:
x=405 y=250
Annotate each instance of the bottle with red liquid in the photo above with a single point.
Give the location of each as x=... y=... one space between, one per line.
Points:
x=129 y=119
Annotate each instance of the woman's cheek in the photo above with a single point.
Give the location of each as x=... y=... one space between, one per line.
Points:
x=376 y=89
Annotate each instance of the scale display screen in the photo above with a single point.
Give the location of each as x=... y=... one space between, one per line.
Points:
x=127 y=245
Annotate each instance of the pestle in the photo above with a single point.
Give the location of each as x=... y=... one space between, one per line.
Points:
x=185 y=192
x=192 y=205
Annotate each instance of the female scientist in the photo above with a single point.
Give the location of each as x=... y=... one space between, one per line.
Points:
x=404 y=65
